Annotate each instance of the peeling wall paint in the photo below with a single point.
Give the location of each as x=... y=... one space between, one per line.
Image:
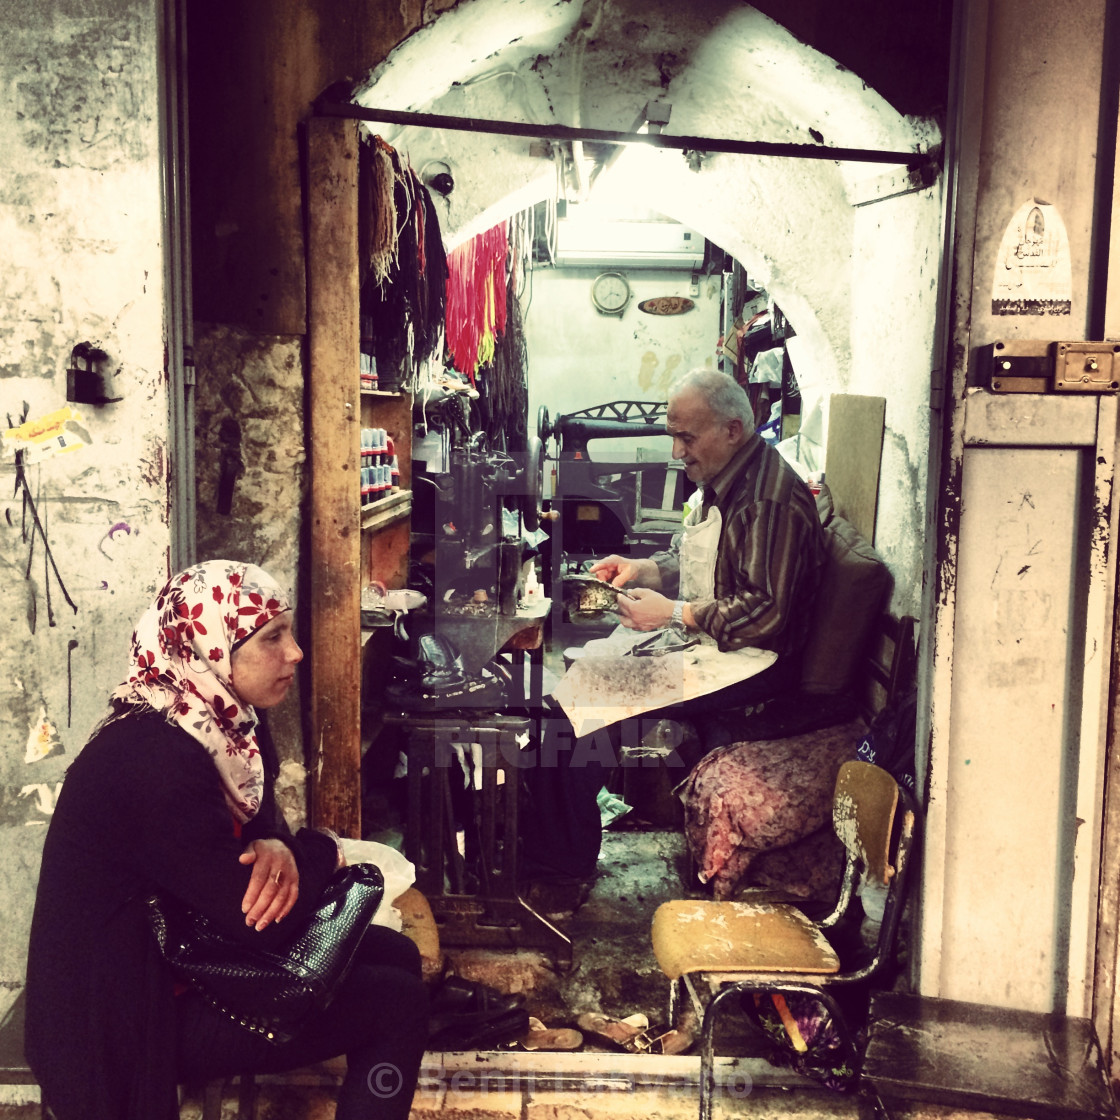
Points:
x=80 y=223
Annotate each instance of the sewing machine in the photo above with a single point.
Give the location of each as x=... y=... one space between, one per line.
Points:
x=602 y=504
x=469 y=498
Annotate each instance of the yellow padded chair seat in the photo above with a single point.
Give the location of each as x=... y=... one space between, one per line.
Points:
x=707 y=936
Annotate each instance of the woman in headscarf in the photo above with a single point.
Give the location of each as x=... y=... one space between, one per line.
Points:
x=174 y=793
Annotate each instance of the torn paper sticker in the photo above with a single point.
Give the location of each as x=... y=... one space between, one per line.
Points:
x=43 y=740
x=49 y=435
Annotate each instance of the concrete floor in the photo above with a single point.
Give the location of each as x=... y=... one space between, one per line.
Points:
x=613 y=971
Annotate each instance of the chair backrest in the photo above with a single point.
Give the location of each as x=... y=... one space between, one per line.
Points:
x=877 y=822
x=889 y=669
x=855 y=586
x=863 y=809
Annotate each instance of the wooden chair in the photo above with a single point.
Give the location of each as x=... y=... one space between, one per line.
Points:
x=744 y=948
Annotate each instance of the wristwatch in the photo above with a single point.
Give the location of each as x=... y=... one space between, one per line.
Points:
x=677 y=619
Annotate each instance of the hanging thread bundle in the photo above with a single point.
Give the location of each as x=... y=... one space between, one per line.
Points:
x=382 y=251
x=403 y=266
x=476 y=299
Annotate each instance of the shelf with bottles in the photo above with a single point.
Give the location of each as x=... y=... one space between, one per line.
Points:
x=378 y=471
x=395 y=506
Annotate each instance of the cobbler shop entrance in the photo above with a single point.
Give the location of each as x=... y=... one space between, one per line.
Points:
x=1014 y=690
x=896 y=225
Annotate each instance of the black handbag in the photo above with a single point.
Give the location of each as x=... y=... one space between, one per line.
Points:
x=271 y=992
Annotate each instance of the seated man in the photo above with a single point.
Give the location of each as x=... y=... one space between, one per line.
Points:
x=744 y=569
x=746 y=565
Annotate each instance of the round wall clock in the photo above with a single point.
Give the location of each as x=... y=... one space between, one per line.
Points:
x=610 y=292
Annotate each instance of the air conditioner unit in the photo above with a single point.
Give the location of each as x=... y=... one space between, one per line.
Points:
x=587 y=242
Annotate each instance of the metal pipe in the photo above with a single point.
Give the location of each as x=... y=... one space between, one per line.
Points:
x=565 y=134
x=1100 y=299
x=179 y=311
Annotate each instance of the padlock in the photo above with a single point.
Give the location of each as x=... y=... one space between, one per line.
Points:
x=87 y=381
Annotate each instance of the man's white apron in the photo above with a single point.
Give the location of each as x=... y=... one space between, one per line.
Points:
x=698 y=549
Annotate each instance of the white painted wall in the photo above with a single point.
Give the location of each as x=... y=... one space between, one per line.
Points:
x=80 y=223
x=579 y=357
x=1024 y=685
x=894 y=265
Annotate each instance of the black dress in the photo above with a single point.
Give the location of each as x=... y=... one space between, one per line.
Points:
x=141 y=808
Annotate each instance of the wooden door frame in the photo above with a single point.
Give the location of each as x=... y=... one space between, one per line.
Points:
x=333 y=439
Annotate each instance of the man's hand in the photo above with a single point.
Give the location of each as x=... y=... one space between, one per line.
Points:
x=618 y=571
x=646 y=610
x=274 y=885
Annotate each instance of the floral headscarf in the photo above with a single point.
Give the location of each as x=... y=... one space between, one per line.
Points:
x=181 y=661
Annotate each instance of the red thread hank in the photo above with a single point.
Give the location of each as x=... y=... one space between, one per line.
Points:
x=477 y=277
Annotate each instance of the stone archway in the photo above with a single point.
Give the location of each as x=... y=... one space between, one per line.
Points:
x=856 y=277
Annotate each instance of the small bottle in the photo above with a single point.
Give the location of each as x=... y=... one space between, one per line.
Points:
x=392 y=464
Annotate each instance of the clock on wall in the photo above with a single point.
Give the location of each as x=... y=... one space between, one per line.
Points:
x=610 y=292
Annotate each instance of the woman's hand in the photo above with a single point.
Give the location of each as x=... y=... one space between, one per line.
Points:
x=273 y=886
x=645 y=610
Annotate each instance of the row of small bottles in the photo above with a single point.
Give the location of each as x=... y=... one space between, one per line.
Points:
x=368 y=362
x=368 y=371
x=380 y=473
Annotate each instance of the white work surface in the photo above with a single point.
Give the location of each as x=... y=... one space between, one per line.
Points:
x=605 y=684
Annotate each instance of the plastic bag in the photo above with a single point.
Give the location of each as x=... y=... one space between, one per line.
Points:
x=802 y=1037
x=398 y=872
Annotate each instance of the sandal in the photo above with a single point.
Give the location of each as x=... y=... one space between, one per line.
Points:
x=540 y=1037
x=627 y=1034
x=672 y=1042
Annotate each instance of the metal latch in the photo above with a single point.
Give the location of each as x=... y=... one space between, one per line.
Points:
x=1036 y=366
x=1019 y=366
x=1087 y=367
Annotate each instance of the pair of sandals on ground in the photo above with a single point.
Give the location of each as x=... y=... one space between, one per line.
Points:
x=467 y=1015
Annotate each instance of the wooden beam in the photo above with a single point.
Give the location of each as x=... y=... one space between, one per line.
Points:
x=334 y=446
